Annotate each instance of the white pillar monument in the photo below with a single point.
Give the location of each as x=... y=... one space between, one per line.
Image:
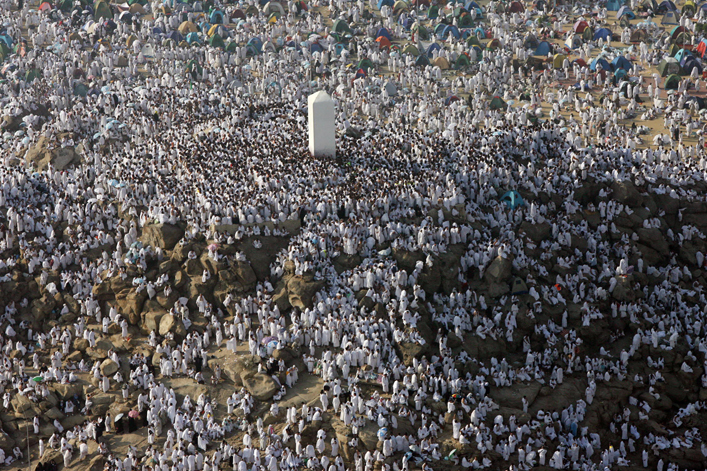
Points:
x=322 y=125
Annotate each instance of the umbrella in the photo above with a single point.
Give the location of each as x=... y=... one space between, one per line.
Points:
x=212 y=247
x=267 y=340
x=37 y=379
x=134 y=414
x=118 y=417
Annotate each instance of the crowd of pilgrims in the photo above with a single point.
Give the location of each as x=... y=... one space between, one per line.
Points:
x=421 y=178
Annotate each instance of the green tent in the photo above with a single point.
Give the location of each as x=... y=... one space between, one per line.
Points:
x=462 y=61
x=422 y=32
x=31 y=75
x=231 y=47
x=340 y=26
x=433 y=12
x=465 y=21
x=439 y=28
x=672 y=82
x=669 y=66
x=65 y=5
x=365 y=64
x=5 y=49
x=422 y=61
x=217 y=41
x=497 y=103
x=588 y=34
x=674 y=49
x=101 y=11
x=473 y=41
x=411 y=49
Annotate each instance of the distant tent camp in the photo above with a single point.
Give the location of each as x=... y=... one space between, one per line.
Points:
x=497 y=103
x=513 y=199
x=672 y=82
x=668 y=66
x=543 y=49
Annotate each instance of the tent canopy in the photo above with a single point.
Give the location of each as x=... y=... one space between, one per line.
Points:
x=512 y=199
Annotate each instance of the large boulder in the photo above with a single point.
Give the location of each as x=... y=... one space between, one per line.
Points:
x=245 y=275
x=301 y=291
x=169 y=323
x=109 y=367
x=164 y=236
x=61 y=158
x=151 y=319
x=625 y=192
x=261 y=386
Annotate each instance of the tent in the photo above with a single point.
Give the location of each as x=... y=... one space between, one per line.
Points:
x=613 y=5
x=256 y=43
x=683 y=39
x=80 y=90
x=676 y=31
x=668 y=66
x=422 y=61
x=194 y=69
x=148 y=51
x=462 y=61
x=422 y=32
x=516 y=7
x=32 y=74
x=400 y=7
x=365 y=64
x=530 y=41
x=580 y=62
x=672 y=82
x=465 y=21
x=639 y=35
x=493 y=44
x=602 y=33
x=518 y=287
x=600 y=62
x=274 y=7
x=543 y=49
x=44 y=7
x=620 y=75
x=232 y=47
x=588 y=34
x=193 y=38
x=688 y=63
x=217 y=41
x=700 y=102
x=7 y=39
x=670 y=18
x=473 y=41
x=620 y=62
x=573 y=42
x=580 y=26
x=433 y=47
x=383 y=42
x=216 y=17
x=451 y=99
x=238 y=14
x=666 y=6
x=341 y=26
x=382 y=3
x=681 y=54
x=101 y=11
x=187 y=27
x=512 y=199
x=497 y=103
x=410 y=49
x=433 y=12
x=625 y=11
x=450 y=29
x=558 y=60
x=441 y=62
x=385 y=33
x=689 y=8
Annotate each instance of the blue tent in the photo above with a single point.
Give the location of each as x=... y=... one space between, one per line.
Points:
x=513 y=199
x=471 y=5
x=216 y=17
x=667 y=5
x=315 y=47
x=602 y=33
x=385 y=33
x=7 y=39
x=256 y=43
x=625 y=10
x=407 y=23
x=422 y=61
x=450 y=29
x=620 y=62
x=157 y=31
x=479 y=31
x=681 y=54
x=193 y=38
x=176 y=36
x=690 y=62
x=602 y=62
x=613 y=5
x=381 y=3
x=543 y=49
x=619 y=74
x=433 y=47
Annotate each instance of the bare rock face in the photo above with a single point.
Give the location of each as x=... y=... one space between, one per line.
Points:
x=301 y=290
x=109 y=367
x=164 y=236
x=60 y=158
x=261 y=386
